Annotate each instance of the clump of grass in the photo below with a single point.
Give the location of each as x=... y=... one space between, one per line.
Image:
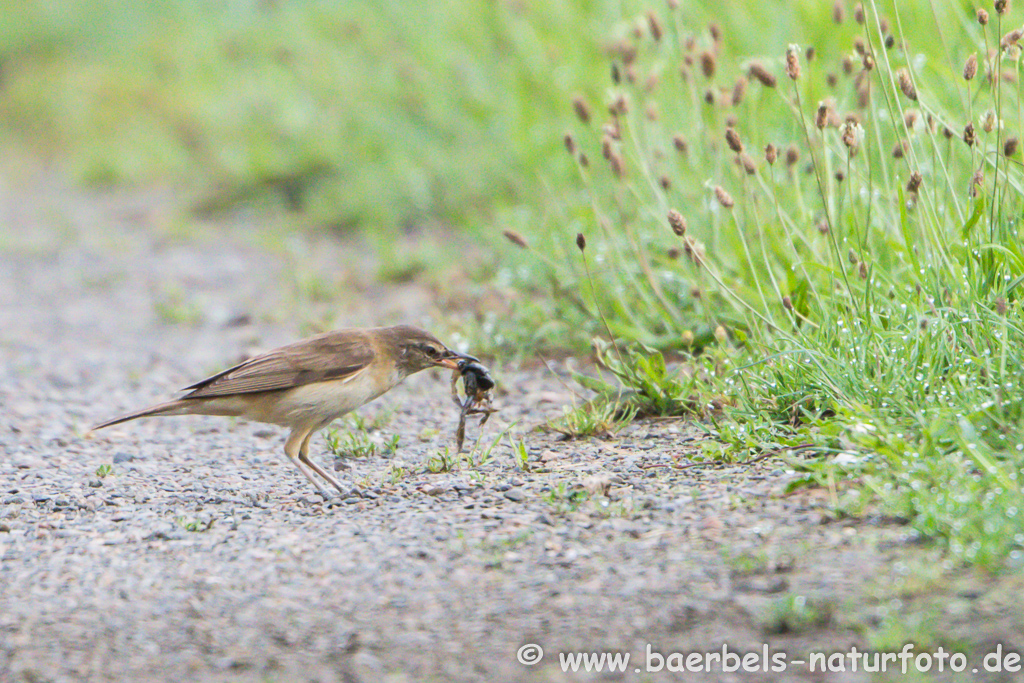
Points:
x=443 y=461
x=600 y=418
x=864 y=294
x=359 y=442
x=565 y=498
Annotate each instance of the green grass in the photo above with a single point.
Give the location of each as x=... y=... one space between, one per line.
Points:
x=364 y=439
x=600 y=418
x=855 y=303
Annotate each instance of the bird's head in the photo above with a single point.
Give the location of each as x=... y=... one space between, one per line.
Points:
x=417 y=349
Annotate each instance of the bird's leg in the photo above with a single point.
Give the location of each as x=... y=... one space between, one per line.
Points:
x=293 y=449
x=304 y=459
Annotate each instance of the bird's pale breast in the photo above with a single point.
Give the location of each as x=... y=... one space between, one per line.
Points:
x=323 y=402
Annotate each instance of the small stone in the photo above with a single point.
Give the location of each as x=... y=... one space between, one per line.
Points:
x=121 y=457
x=238 y=320
x=95 y=483
x=600 y=483
x=515 y=495
x=548 y=456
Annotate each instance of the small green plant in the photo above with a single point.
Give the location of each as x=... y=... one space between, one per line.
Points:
x=428 y=434
x=194 y=525
x=443 y=461
x=600 y=417
x=607 y=509
x=647 y=386
x=565 y=498
x=494 y=551
x=475 y=458
x=795 y=614
x=396 y=473
x=104 y=470
x=359 y=444
x=520 y=454
x=376 y=422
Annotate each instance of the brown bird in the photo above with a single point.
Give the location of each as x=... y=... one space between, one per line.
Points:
x=307 y=385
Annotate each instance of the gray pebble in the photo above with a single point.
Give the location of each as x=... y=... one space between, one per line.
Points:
x=515 y=495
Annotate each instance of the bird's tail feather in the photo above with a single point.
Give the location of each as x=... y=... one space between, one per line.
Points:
x=177 y=407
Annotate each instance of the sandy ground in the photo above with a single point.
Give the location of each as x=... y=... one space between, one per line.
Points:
x=203 y=555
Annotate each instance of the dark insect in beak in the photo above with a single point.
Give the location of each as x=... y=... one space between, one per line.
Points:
x=477 y=382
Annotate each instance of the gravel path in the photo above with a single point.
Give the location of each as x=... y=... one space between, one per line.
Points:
x=203 y=555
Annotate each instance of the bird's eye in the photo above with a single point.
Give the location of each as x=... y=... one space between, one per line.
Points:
x=430 y=351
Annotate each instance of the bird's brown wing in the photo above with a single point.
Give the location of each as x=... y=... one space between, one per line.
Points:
x=335 y=355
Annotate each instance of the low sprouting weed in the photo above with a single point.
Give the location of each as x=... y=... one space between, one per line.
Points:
x=443 y=461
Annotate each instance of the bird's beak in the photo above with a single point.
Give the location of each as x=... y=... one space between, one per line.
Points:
x=450 y=359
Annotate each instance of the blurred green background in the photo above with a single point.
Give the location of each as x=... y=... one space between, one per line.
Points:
x=339 y=114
